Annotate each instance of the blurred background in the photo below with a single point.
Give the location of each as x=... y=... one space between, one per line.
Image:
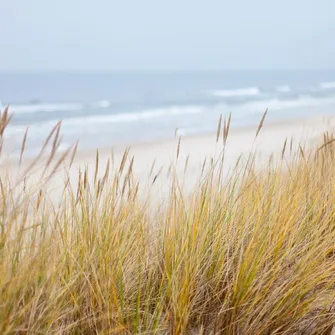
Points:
x=128 y=71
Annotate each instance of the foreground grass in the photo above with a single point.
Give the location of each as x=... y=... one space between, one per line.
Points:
x=253 y=254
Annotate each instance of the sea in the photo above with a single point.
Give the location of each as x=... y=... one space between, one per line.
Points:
x=107 y=109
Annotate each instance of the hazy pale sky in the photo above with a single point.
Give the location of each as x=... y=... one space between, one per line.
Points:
x=87 y=35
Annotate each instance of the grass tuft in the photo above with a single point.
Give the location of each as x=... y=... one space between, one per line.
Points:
x=251 y=253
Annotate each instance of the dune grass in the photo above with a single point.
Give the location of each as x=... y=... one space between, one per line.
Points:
x=252 y=253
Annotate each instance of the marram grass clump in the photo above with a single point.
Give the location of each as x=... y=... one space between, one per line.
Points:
x=251 y=253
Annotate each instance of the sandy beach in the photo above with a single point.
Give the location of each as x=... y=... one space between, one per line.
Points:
x=199 y=147
x=157 y=161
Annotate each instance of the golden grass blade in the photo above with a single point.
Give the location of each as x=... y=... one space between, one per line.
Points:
x=186 y=163
x=152 y=168
x=85 y=179
x=105 y=177
x=23 y=146
x=284 y=148
x=74 y=152
x=54 y=147
x=291 y=145
x=59 y=162
x=178 y=147
x=302 y=152
x=39 y=200
x=260 y=126
x=96 y=167
x=40 y=154
x=327 y=143
x=218 y=131
x=226 y=128
x=54 y=130
x=157 y=175
x=123 y=161
x=4 y=121
x=130 y=169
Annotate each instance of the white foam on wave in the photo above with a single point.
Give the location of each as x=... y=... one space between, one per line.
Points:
x=327 y=85
x=187 y=131
x=132 y=117
x=256 y=107
x=283 y=89
x=56 y=107
x=45 y=107
x=102 y=104
x=92 y=121
x=250 y=91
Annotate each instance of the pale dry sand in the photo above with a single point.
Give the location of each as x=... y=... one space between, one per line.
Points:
x=194 y=149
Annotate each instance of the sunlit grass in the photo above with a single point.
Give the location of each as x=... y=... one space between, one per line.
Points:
x=251 y=253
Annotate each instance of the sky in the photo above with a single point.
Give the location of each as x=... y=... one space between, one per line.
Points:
x=145 y=35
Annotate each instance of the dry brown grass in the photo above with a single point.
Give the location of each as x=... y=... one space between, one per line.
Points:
x=252 y=253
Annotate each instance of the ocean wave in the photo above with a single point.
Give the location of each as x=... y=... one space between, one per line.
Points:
x=250 y=91
x=57 y=107
x=45 y=107
x=101 y=104
x=257 y=107
x=327 y=85
x=283 y=89
x=129 y=117
x=88 y=124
